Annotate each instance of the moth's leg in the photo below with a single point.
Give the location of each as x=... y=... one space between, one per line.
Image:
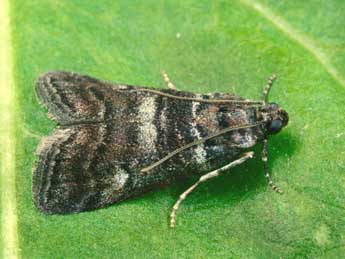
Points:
x=267 y=175
x=167 y=81
x=268 y=87
x=204 y=178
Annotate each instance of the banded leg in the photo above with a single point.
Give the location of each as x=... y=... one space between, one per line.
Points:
x=268 y=87
x=204 y=178
x=166 y=79
x=267 y=175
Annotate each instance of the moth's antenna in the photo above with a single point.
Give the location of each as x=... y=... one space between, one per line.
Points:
x=267 y=88
x=264 y=142
x=245 y=102
x=197 y=142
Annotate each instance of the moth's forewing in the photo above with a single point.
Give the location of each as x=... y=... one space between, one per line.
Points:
x=110 y=132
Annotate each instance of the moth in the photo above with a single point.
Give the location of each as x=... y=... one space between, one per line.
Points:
x=114 y=141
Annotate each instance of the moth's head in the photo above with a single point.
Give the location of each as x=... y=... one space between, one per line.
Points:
x=275 y=117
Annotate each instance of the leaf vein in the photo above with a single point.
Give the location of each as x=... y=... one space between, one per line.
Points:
x=298 y=37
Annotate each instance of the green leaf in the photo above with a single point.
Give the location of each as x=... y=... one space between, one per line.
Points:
x=205 y=46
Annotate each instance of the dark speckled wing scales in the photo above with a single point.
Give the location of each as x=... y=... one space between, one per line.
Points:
x=72 y=98
x=62 y=182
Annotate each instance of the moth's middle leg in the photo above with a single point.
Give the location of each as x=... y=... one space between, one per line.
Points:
x=166 y=79
x=204 y=178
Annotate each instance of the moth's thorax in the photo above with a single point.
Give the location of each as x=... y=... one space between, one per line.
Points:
x=217 y=117
x=209 y=119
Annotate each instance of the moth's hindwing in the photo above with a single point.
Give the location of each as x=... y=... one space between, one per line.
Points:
x=109 y=132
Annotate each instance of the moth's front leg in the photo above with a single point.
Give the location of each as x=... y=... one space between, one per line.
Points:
x=204 y=178
x=166 y=79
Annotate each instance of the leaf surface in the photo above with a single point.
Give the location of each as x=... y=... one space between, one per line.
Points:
x=205 y=46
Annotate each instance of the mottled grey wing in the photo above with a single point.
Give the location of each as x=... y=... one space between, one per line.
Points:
x=109 y=132
x=73 y=99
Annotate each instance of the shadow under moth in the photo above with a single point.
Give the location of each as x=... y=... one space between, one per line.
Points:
x=117 y=141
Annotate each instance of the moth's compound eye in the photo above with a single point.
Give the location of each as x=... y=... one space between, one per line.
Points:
x=274 y=106
x=275 y=126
